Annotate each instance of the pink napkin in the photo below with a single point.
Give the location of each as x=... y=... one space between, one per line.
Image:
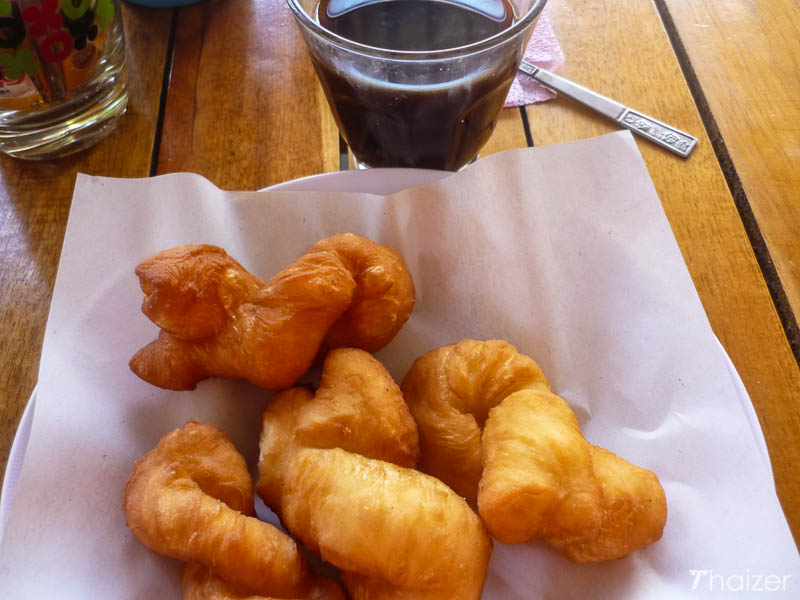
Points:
x=543 y=51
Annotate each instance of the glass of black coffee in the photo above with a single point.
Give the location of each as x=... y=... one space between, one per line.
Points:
x=416 y=83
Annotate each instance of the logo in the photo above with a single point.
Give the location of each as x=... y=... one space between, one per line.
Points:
x=708 y=581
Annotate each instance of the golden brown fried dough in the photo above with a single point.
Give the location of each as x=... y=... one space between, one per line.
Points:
x=538 y=476
x=278 y=442
x=542 y=479
x=217 y=319
x=358 y=407
x=200 y=584
x=450 y=391
x=634 y=511
x=190 y=498
x=383 y=297
x=537 y=472
x=394 y=532
x=365 y=588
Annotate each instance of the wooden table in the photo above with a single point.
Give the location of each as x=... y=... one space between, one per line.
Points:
x=724 y=71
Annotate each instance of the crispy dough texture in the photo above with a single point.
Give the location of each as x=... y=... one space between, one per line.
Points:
x=537 y=472
x=219 y=320
x=530 y=469
x=358 y=407
x=635 y=511
x=191 y=498
x=450 y=391
x=199 y=583
x=331 y=468
x=394 y=532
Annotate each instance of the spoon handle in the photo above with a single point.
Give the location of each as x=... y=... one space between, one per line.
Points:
x=677 y=141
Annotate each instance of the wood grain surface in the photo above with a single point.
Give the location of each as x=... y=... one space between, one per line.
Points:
x=697 y=202
x=34 y=205
x=244 y=107
x=509 y=133
x=746 y=56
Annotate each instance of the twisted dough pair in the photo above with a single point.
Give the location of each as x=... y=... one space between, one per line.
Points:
x=217 y=319
x=491 y=428
x=336 y=467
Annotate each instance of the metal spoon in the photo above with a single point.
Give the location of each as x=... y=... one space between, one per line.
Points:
x=677 y=141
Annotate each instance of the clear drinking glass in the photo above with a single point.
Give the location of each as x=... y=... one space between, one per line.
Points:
x=63 y=84
x=423 y=109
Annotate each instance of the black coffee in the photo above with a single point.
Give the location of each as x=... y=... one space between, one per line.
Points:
x=435 y=126
x=415 y=24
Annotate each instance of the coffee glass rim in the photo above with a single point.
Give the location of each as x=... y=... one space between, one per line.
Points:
x=518 y=26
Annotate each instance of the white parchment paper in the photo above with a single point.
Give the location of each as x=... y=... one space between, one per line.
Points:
x=563 y=251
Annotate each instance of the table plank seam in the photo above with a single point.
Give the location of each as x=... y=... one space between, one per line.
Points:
x=526 y=126
x=162 y=101
x=756 y=238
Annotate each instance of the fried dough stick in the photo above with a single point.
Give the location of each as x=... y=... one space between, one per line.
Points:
x=394 y=532
x=199 y=583
x=537 y=482
x=219 y=320
x=537 y=475
x=330 y=467
x=358 y=407
x=191 y=498
x=450 y=391
x=634 y=511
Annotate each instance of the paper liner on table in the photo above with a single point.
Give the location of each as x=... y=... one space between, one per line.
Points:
x=564 y=251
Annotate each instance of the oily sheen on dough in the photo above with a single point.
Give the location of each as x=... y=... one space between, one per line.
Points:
x=191 y=498
x=219 y=320
x=491 y=428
